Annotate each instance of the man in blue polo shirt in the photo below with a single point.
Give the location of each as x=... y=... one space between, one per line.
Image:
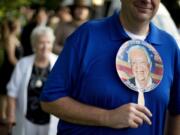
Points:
x=84 y=89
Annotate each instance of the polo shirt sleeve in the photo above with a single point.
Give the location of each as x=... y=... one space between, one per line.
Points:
x=62 y=78
x=174 y=104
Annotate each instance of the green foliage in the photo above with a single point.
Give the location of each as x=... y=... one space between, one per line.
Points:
x=9 y=7
x=51 y=4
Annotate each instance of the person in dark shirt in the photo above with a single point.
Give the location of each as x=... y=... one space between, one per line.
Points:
x=39 y=18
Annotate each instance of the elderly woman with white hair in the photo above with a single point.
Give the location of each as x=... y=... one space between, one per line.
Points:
x=25 y=86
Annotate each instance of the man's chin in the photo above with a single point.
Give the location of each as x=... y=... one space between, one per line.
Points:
x=142 y=17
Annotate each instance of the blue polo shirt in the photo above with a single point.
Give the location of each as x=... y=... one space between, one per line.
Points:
x=86 y=71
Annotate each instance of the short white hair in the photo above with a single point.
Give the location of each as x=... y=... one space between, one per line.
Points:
x=140 y=48
x=41 y=31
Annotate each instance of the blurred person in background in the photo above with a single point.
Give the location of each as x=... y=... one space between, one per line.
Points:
x=80 y=11
x=26 y=84
x=26 y=13
x=63 y=12
x=39 y=17
x=53 y=21
x=12 y=52
x=114 y=6
x=61 y=15
x=3 y=33
x=165 y=22
x=178 y=28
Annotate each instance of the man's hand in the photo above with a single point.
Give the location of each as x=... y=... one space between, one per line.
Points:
x=129 y=115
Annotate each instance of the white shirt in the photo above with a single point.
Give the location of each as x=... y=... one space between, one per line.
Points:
x=135 y=36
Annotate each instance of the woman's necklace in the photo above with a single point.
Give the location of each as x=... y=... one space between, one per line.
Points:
x=38 y=83
x=40 y=73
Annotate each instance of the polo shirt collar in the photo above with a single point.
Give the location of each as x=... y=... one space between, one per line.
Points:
x=117 y=31
x=154 y=36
